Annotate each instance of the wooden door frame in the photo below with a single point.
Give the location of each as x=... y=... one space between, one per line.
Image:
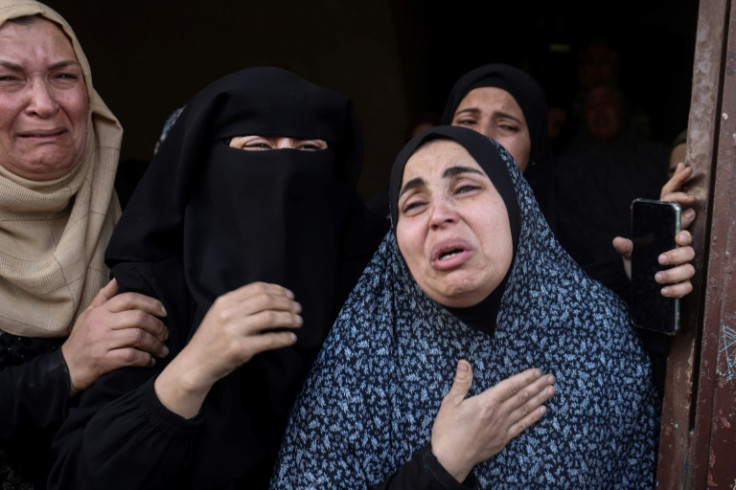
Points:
x=698 y=432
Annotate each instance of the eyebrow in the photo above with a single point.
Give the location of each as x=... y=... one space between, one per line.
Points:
x=449 y=172
x=495 y=114
x=412 y=184
x=457 y=170
x=59 y=64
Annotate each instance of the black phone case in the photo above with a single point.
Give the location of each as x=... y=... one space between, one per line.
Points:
x=654 y=225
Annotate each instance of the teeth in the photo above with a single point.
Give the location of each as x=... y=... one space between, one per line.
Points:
x=449 y=254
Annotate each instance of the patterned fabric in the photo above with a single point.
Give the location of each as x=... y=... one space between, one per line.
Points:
x=372 y=396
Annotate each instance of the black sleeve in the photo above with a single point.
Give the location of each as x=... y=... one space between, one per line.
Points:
x=123 y=442
x=120 y=436
x=424 y=471
x=34 y=395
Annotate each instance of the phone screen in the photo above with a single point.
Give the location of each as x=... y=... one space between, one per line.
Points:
x=653 y=225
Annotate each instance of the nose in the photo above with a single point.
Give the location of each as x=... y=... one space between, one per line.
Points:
x=486 y=129
x=285 y=143
x=41 y=100
x=443 y=213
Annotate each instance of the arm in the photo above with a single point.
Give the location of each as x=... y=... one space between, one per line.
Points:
x=126 y=435
x=238 y=326
x=114 y=331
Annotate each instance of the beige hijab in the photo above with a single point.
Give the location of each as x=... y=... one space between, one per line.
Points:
x=53 y=234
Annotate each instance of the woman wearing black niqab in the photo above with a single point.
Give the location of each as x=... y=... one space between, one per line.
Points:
x=206 y=220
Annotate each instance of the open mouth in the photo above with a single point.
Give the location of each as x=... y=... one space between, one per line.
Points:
x=446 y=254
x=450 y=253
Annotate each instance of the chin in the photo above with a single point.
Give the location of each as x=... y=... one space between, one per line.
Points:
x=460 y=295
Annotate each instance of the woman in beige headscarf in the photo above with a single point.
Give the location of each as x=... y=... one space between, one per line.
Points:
x=59 y=148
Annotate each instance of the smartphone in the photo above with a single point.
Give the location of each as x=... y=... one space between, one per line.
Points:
x=654 y=225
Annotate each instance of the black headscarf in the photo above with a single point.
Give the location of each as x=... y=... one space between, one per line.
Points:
x=239 y=216
x=207 y=219
x=522 y=87
x=370 y=402
x=483 y=315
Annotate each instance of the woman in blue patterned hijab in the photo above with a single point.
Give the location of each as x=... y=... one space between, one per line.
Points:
x=495 y=291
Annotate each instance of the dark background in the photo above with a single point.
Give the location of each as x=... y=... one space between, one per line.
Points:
x=395 y=58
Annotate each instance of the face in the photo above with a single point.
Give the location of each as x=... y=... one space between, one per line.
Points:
x=494 y=112
x=453 y=228
x=265 y=143
x=603 y=114
x=43 y=101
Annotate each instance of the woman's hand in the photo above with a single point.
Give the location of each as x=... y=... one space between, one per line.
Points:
x=676 y=280
x=114 y=331
x=468 y=431
x=239 y=325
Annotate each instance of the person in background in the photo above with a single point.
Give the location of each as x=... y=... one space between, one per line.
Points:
x=506 y=104
x=597 y=179
x=62 y=325
x=248 y=227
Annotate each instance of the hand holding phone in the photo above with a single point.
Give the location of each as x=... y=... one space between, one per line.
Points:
x=654 y=225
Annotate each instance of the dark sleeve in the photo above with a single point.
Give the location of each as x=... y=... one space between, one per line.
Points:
x=424 y=471
x=34 y=395
x=131 y=441
x=120 y=435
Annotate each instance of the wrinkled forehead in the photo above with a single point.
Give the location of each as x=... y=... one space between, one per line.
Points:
x=439 y=158
x=27 y=12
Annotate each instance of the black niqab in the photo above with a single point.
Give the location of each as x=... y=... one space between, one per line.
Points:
x=207 y=219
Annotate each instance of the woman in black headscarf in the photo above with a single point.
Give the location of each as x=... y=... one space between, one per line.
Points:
x=248 y=206
x=471 y=273
x=506 y=104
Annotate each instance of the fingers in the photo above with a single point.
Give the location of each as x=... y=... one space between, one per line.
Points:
x=530 y=419
x=256 y=288
x=531 y=396
x=104 y=294
x=682 y=198
x=623 y=246
x=677 y=290
x=135 y=301
x=462 y=382
x=677 y=278
x=680 y=255
x=272 y=341
x=687 y=218
x=676 y=182
x=147 y=335
x=254 y=314
x=510 y=387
